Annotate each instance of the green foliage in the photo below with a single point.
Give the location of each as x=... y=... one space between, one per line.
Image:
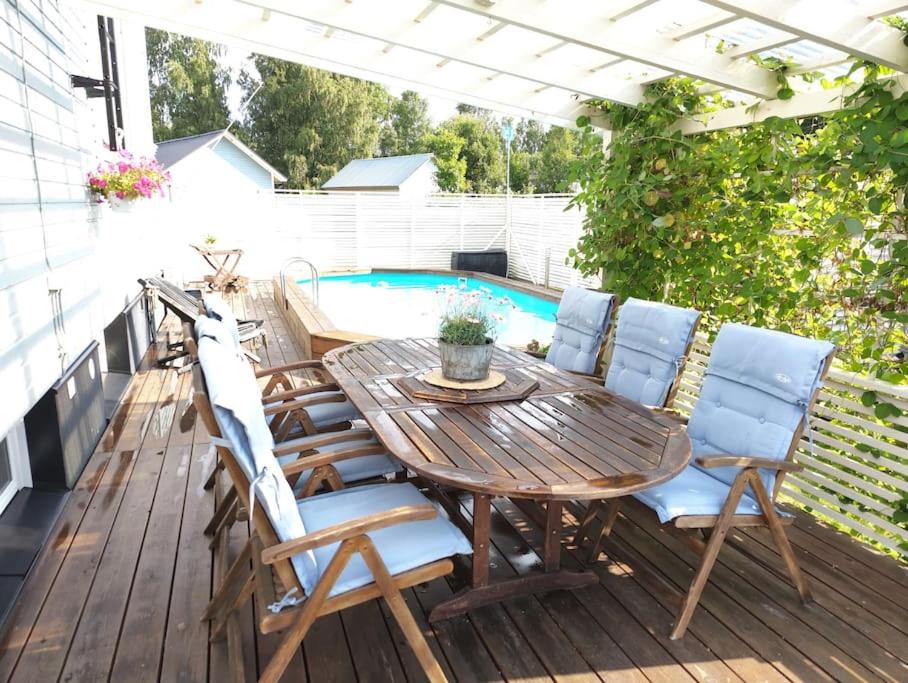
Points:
x=481 y=151
x=764 y=225
x=309 y=123
x=465 y=320
x=407 y=126
x=470 y=328
x=556 y=158
x=450 y=168
x=187 y=85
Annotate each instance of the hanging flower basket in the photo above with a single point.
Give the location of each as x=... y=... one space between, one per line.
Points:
x=127 y=179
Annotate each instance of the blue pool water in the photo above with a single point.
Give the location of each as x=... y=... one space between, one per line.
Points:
x=398 y=305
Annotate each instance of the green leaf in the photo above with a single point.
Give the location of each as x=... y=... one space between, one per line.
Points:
x=854 y=226
x=899 y=138
x=868 y=398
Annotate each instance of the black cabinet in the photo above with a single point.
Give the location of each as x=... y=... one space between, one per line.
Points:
x=64 y=426
x=492 y=261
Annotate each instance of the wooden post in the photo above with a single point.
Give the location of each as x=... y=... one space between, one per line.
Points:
x=552 y=545
x=482 y=512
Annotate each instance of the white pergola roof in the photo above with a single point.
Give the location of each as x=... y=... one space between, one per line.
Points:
x=545 y=58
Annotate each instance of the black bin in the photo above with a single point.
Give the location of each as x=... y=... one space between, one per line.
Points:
x=492 y=261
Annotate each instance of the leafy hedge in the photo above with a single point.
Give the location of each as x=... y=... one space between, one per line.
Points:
x=795 y=225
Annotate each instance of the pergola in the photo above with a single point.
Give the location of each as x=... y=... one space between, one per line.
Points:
x=546 y=58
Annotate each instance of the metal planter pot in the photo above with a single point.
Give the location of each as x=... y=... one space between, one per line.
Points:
x=465 y=363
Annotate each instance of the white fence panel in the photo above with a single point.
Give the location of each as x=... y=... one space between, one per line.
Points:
x=351 y=230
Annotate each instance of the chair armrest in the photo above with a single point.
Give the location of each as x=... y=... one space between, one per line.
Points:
x=748 y=462
x=307 y=443
x=298 y=365
x=296 y=393
x=310 y=462
x=349 y=529
x=305 y=402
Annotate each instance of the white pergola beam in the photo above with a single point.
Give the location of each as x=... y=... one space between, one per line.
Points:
x=592 y=29
x=834 y=26
x=801 y=105
x=706 y=24
x=771 y=41
x=368 y=63
x=884 y=9
x=385 y=26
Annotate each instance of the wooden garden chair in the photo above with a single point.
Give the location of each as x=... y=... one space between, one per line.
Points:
x=582 y=327
x=361 y=459
x=753 y=408
x=319 y=555
x=651 y=347
x=188 y=308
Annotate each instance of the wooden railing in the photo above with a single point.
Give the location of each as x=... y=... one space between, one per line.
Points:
x=856 y=469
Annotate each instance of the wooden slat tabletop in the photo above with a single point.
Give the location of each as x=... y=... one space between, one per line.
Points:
x=569 y=439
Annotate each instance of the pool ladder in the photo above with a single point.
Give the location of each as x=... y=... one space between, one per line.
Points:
x=314 y=278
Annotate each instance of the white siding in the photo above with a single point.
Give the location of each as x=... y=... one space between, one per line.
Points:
x=51 y=236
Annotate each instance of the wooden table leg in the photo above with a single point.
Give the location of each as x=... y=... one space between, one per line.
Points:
x=482 y=518
x=481 y=592
x=551 y=550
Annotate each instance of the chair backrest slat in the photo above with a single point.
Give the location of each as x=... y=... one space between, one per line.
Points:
x=651 y=344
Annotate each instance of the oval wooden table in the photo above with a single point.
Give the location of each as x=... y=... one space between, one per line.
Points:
x=542 y=438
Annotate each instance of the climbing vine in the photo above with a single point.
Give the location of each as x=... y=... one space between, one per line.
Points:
x=795 y=225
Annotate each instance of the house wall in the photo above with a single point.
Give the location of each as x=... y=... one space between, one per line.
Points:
x=421 y=183
x=217 y=172
x=52 y=237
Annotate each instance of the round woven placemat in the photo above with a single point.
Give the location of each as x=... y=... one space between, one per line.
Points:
x=435 y=378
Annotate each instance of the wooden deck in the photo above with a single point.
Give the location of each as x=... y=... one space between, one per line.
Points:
x=117 y=593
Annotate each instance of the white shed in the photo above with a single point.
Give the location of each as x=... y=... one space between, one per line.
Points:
x=215 y=164
x=411 y=174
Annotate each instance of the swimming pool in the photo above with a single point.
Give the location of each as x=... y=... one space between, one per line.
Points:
x=403 y=304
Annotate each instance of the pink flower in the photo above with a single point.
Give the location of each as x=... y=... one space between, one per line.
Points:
x=102 y=183
x=120 y=194
x=123 y=167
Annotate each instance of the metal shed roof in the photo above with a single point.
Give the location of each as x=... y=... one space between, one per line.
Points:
x=379 y=173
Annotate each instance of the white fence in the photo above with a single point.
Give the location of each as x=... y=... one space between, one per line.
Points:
x=353 y=230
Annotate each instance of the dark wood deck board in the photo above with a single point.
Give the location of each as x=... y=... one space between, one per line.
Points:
x=117 y=591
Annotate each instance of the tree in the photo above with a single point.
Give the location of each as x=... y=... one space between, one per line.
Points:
x=408 y=124
x=529 y=136
x=555 y=160
x=187 y=85
x=450 y=167
x=309 y=123
x=481 y=151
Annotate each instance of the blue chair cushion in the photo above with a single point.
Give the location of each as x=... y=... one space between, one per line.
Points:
x=693 y=492
x=783 y=365
x=754 y=395
x=650 y=341
x=581 y=322
x=350 y=471
x=402 y=547
x=330 y=413
x=220 y=310
x=236 y=403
